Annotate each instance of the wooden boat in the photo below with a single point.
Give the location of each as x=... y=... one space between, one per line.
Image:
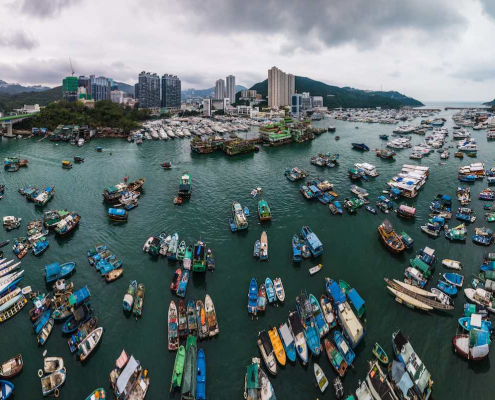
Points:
x=279 y=289
x=136 y=185
x=79 y=316
x=326 y=308
x=266 y=349
x=298 y=331
x=189 y=381
x=11 y=300
x=380 y=354
x=176 y=280
x=114 y=275
x=68 y=224
x=188 y=256
x=139 y=300
x=182 y=289
x=78 y=159
x=45 y=332
x=473 y=346
x=210 y=260
x=257 y=249
x=452 y=264
x=51 y=383
x=178 y=369
x=337 y=362
x=202 y=322
x=52 y=364
x=6 y=389
x=82 y=332
x=264 y=247
x=277 y=345
x=192 y=321
x=88 y=345
x=11 y=367
x=261 y=302
x=13 y=310
x=173 y=333
x=182 y=320
x=315 y=269
x=211 y=316
x=66 y=164
x=270 y=291
x=321 y=379
x=344 y=347
x=129 y=296
x=391 y=239
x=97 y=394
x=288 y=341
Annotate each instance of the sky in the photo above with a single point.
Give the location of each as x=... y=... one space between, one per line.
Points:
x=435 y=50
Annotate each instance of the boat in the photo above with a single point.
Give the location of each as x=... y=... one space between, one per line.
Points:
x=57 y=271
x=457 y=233
x=66 y=164
x=270 y=291
x=45 y=332
x=211 y=316
x=6 y=389
x=68 y=224
x=166 y=165
x=481 y=297
x=252 y=380
x=253 y=297
x=202 y=322
x=257 y=249
x=266 y=349
x=326 y=307
x=264 y=212
x=129 y=296
x=79 y=316
x=370 y=209
x=41 y=198
x=52 y=364
x=406 y=211
x=178 y=369
x=263 y=247
x=201 y=376
x=139 y=300
x=78 y=159
x=40 y=247
x=391 y=239
x=321 y=379
x=88 y=345
x=188 y=256
x=336 y=359
x=117 y=214
x=173 y=332
x=454 y=279
x=185 y=185
x=406 y=239
x=298 y=333
x=476 y=321
x=52 y=382
x=192 y=320
x=385 y=153
x=296 y=249
x=11 y=367
x=288 y=341
x=452 y=264
x=315 y=269
x=238 y=217
x=114 y=275
x=246 y=212
x=176 y=280
x=82 y=332
x=181 y=251
x=182 y=320
x=313 y=243
x=344 y=347
x=199 y=257
x=10 y=222
x=442 y=297
x=380 y=354
x=360 y=146
x=305 y=312
x=172 y=246
x=279 y=289
x=378 y=385
x=474 y=346
x=261 y=302
x=447 y=288
x=278 y=348
x=321 y=324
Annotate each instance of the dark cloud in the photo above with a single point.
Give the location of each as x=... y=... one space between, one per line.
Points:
x=46 y=8
x=488 y=7
x=477 y=74
x=18 y=40
x=333 y=23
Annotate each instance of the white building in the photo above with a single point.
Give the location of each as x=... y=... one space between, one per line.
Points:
x=117 y=96
x=207 y=107
x=28 y=109
x=219 y=89
x=280 y=88
x=317 y=101
x=231 y=88
x=306 y=101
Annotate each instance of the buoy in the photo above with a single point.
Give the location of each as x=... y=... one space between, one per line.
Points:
x=56 y=392
x=40 y=373
x=44 y=353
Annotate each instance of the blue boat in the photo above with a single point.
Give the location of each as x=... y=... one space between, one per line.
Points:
x=357 y=302
x=360 y=146
x=201 y=376
x=288 y=341
x=79 y=297
x=233 y=228
x=105 y=259
x=481 y=239
x=489 y=266
x=314 y=244
x=325 y=198
x=79 y=316
x=40 y=247
x=270 y=291
x=94 y=251
x=246 y=212
x=181 y=290
x=427 y=255
x=6 y=389
x=296 y=249
x=56 y=271
x=257 y=249
x=451 y=290
x=117 y=214
x=343 y=347
x=454 y=279
x=41 y=321
x=475 y=321
x=338 y=207
x=253 y=297
x=465 y=214
x=467 y=178
x=321 y=324
x=305 y=312
x=110 y=266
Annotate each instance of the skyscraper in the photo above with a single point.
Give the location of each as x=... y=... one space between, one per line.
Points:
x=148 y=90
x=100 y=88
x=231 y=88
x=296 y=105
x=280 y=87
x=219 y=89
x=171 y=87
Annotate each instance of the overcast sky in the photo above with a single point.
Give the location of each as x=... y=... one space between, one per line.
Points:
x=430 y=50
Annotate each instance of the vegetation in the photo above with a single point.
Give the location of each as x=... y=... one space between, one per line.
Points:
x=9 y=102
x=334 y=97
x=490 y=103
x=104 y=114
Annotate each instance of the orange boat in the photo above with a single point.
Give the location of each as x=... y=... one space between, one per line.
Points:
x=391 y=239
x=278 y=347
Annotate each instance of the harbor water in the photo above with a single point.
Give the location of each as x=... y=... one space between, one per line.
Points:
x=352 y=252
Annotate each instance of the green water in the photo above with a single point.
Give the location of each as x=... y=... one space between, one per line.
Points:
x=353 y=252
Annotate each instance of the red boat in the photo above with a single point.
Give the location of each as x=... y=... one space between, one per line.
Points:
x=167 y=165
x=176 y=280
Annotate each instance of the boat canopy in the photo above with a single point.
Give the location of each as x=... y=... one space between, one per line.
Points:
x=116 y=211
x=401 y=378
x=52 y=269
x=252 y=376
x=126 y=374
x=475 y=320
x=407 y=209
x=335 y=292
x=357 y=302
x=396 y=192
x=286 y=335
x=421 y=266
x=387 y=226
x=112 y=189
x=79 y=296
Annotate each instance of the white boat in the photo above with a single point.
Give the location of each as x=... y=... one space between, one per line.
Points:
x=445 y=155
x=80 y=142
x=279 y=289
x=363 y=392
x=179 y=133
x=162 y=134
x=89 y=343
x=452 y=264
x=154 y=135
x=52 y=364
x=410 y=301
x=51 y=383
x=267 y=391
x=147 y=244
x=315 y=269
x=480 y=297
x=321 y=379
x=416 y=156
x=171 y=134
x=369 y=169
x=442 y=297
x=186 y=133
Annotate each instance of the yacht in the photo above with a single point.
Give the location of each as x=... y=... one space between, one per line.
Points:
x=461 y=134
x=80 y=142
x=369 y=169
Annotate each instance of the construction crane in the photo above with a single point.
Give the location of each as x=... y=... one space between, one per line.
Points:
x=71 y=67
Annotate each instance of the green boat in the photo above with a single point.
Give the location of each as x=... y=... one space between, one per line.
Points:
x=52 y=218
x=199 y=257
x=264 y=211
x=421 y=266
x=178 y=368
x=487 y=275
x=380 y=354
x=185 y=186
x=490 y=217
x=188 y=256
x=181 y=251
x=189 y=380
x=344 y=286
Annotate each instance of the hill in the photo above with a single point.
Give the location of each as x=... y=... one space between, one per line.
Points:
x=489 y=103
x=207 y=92
x=8 y=102
x=334 y=96
x=15 y=88
x=125 y=87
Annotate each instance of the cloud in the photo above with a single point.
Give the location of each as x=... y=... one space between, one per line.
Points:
x=478 y=73
x=395 y=74
x=488 y=7
x=46 y=8
x=362 y=23
x=18 y=40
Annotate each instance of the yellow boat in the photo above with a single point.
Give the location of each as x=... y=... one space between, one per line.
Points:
x=278 y=348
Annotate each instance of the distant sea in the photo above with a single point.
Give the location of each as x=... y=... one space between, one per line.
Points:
x=430 y=104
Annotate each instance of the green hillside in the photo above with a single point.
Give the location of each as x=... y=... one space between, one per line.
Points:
x=8 y=102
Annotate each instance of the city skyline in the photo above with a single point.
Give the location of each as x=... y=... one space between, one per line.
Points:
x=439 y=52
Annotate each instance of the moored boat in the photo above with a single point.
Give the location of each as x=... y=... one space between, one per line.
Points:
x=11 y=367
x=336 y=359
x=173 y=332
x=321 y=379
x=298 y=332
x=137 y=309
x=89 y=344
x=266 y=349
x=129 y=296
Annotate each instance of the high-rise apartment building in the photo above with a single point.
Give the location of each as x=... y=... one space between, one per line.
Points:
x=100 y=88
x=231 y=88
x=219 y=89
x=148 y=90
x=171 y=90
x=280 y=87
x=207 y=107
x=296 y=105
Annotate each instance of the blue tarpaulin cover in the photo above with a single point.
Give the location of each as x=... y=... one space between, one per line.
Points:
x=116 y=211
x=333 y=290
x=356 y=300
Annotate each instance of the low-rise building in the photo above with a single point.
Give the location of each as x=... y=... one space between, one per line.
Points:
x=207 y=107
x=117 y=96
x=28 y=109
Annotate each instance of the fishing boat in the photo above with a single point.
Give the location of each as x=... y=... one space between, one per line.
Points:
x=185 y=185
x=474 y=346
x=253 y=297
x=415 y=276
x=406 y=239
x=173 y=333
x=188 y=256
x=465 y=214
x=481 y=297
x=360 y=146
x=199 y=257
x=321 y=324
x=114 y=275
x=6 y=389
x=57 y=271
x=82 y=332
x=261 y=302
x=166 y=165
x=313 y=243
x=78 y=159
x=385 y=153
x=201 y=376
x=238 y=217
x=178 y=369
x=79 y=316
x=263 y=247
x=45 y=332
x=279 y=289
x=336 y=359
x=181 y=251
x=11 y=367
x=326 y=307
x=182 y=320
x=344 y=347
x=277 y=345
x=172 y=246
x=89 y=344
x=270 y=291
x=211 y=317
x=117 y=214
x=447 y=288
x=192 y=321
x=475 y=321
x=202 y=322
x=52 y=364
x=257 y=249
x=52 y=382
x=296 y=249
x=298 y=332
x=315 y=269
x=321 y=379
x=11 y=222
x=288 y=341
x=139 y=300
x=40 y=247
x=176 y=280
x=305 y=312
x=380 y=354
x=391 y=239
x=264 y=211
x=457 y=233
x=129 y=296
x=266 y=349
x=370 y=209
x=68 y=224
x=452 y=264
x=454 y=279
